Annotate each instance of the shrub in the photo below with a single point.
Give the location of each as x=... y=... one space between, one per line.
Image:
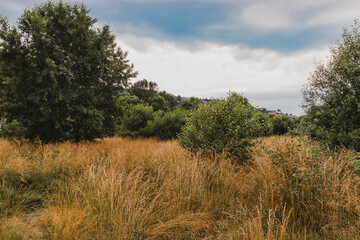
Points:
x=13 y=130
x=192 y=103
x=135 y=120
x=221 y=125
x=264 y=122
x=159 y=103
x=166 y=125
x=281 y=124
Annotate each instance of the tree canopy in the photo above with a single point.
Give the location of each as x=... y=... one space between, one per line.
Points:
x=332 y=96
x=59 y=74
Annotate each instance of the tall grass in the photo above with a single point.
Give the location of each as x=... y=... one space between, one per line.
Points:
x=122 y=188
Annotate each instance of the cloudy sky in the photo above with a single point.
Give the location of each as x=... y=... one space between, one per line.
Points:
x=264 y=49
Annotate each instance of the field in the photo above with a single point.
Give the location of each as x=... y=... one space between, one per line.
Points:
x=121 y=188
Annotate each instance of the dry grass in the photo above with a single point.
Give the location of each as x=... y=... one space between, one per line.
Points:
x=145 y=189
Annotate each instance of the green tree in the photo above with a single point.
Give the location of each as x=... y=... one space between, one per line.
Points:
x=59 y=74
x=171 y=99
x=144 y=89
x=281 y=124
x=158 y=102
x=332 y=95
x=135 y=120
x=221 y=125
x=166 y=125
x=191 y=104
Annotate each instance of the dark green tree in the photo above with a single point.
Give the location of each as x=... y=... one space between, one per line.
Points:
x=171 y=99
x=281 y=124
x=59 y=74
x=144 y=89
x=158 y=102
x=191 y=104
x=332 y=95
x=135 y=120
x=166 y=125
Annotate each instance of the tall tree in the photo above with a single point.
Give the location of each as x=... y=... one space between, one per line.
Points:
x=332 y=96
x=144 y=89
x=60 y=74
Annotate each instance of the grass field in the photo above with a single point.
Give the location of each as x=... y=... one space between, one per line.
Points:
x=147 y=189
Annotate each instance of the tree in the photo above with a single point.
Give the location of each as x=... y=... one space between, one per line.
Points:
x=144 y=90
x=192 y=103
x=221 y=125
x=166 y=125
x=60 y=74
x=158 y=102
x=135 y=120
x=281 y=124
x=332 y=96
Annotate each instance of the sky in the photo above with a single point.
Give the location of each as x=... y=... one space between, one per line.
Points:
x=263 y=49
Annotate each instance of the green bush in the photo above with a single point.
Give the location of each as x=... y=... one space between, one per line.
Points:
x=135 y=120
x=166 y=125
x=221 y=125
x=281 y=124
x=264 y=122
x=192 y=103
x=13 y=130
x=159 y=103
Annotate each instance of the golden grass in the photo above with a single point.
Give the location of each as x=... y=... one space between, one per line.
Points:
x=123 y=188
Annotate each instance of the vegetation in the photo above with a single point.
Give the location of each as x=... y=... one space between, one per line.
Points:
x=221 y=125
x=124 y=188
x=332 y=96
x=281 y=124
x=149 y=113
x=59 y=75
x=64 y=80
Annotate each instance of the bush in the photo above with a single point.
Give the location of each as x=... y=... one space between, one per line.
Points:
x=264 y=122
x=13 y=130
x=221 y=125
x=135 y=120
x=281 y=124
x=166 y=125
x=192 y=103
x=159 y=103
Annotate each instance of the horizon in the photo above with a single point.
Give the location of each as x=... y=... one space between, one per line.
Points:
x=264 y=50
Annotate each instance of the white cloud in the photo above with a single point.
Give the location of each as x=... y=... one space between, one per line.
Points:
x=293 y=15
x=340 y=14
x=267 y=16
x=266 y=77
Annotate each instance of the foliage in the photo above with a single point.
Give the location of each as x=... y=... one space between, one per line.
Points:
x=144 y=89
x=281 y=124
x=166 y=125
x=191 y=104
x=332 y=96
x=13 y=130
x=221 y=125
x=264 y=122
x=135 y=120
x=158 y=102
x=170 y=99
x=59 y=73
